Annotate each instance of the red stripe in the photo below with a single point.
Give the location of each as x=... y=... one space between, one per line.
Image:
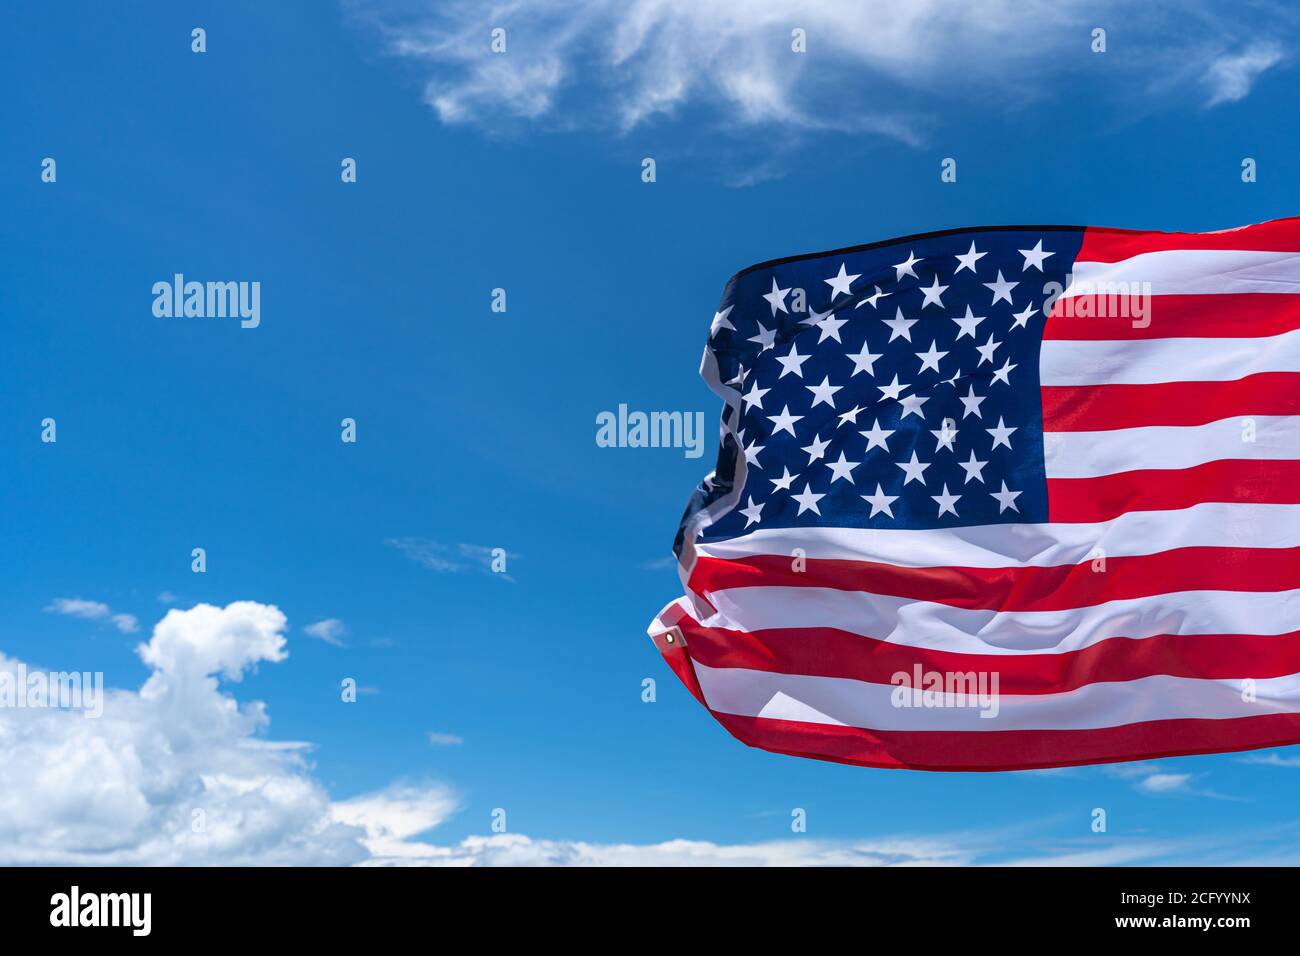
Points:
x=1109 y=496
x=1012 y=749
x=1074 y=408
x=1019 y=588
x=1246 y=315
x=831 y=652
x=1112 y=245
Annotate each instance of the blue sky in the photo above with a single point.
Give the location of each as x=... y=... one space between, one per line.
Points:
x=476 y=429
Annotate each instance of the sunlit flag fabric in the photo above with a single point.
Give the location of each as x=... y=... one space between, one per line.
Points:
x=1000 y=498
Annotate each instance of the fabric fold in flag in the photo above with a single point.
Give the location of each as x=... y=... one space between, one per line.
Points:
x=1002 y=498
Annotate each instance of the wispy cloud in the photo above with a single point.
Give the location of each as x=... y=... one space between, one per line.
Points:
x=1271 y=760
x=93 y=611
x=444 y=740
x=893 y=68
x=1150 y=779
x=451 y=558
x=1230 y=77
x=330 y=630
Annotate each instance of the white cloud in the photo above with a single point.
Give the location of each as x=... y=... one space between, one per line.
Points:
x=647 y=58
x=891 y=67
x=1271 y=759
x=93 y=611
x=125 y=788
x=444 y=740
x=449 y=558
x=330 y=630
x=1165 y=783
x=1231 y=76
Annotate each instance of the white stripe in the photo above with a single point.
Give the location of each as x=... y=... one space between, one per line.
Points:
x=1189 y=272
x=1146 y=361
x=970 y=631
x=1209 y=524
x=1089 y=454
x=844 y=702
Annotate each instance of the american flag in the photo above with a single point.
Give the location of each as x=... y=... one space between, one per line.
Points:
x=1001 y=498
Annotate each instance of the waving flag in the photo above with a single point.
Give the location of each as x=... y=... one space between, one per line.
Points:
x=1001 y=498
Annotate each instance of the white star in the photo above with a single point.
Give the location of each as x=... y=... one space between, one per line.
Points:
x=808 y=500
x=1001 y=289
x=969 y=259
x=792 y=361
x=864 y=361
x=842 y=469
x=765 y=337
x=1035 y=256
x=830 y=328
x=967 y=325
x=878 y=437
x=933 y=294
x=751 y=454
x=752 y=512
x=892 y=390
x=841 y=283
x=1021 y=319
x=784 y=422
x=816 y=450
x=971 y=403
x=905 y=268
x=945 y=436
x=851 y=416
x=900 y=326
x=915 y=470
x=931 y=358
x=912 y=406
x=1004 y=373
x=814 y=316
x=776 y=298
x=755 y=396
x=1001 y=434
x=1006 y=498
x=739 y=377
x=947 y=502
x=986 y=351
x=880 y=502
x=974 y=469
x=825 y=392
x=720 y=321
x=783 y=483
x=872 y=298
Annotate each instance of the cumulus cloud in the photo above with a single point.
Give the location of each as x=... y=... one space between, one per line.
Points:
x=330 y=630
x=93 y=611
x=1231 y=76
x=176 y=772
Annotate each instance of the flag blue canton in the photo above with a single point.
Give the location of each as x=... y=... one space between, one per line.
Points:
x=887 y=386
